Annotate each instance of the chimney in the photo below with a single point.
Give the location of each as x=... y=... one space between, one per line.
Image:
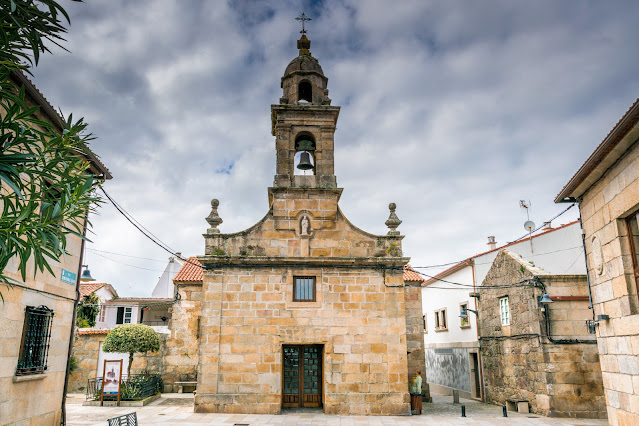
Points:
x=492 y=244
x=547 y=226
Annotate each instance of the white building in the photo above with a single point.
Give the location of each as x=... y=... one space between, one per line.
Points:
x=165 y=287
x=452 y=351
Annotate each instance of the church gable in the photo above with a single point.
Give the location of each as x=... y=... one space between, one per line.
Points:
x=304 y=228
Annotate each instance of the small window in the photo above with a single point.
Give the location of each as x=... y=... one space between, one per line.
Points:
x=425 y=327
x=440 y=320
x=36 y=335
x=504 y=311
x=304 y=289
x=464 y=321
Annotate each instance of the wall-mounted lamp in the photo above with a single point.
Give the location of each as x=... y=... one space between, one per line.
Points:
x=464 y=313
x=544 y=299
x=86 y=274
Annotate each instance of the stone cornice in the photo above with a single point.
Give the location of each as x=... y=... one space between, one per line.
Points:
x=213 y=262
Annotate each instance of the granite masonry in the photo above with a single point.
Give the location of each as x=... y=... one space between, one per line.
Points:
x=607 y=190
x=540 y=355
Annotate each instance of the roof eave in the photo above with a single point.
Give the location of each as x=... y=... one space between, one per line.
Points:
x=588 y=174
x=97 y=167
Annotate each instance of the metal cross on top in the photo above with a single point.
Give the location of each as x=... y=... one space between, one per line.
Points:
x=303 y=18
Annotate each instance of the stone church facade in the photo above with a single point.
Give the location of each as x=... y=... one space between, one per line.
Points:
x=304 y=309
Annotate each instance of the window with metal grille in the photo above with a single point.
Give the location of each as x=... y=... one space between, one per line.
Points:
x=36 y=335
x=304 y=289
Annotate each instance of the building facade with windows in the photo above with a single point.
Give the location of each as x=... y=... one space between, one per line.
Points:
x=452 y=350
x=303 y=309
x=607 y=190
x=36 y=316
x=538 y=356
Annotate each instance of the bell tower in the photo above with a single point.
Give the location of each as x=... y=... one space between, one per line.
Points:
x=304 y=125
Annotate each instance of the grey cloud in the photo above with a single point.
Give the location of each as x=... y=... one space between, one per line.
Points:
x=454 y=111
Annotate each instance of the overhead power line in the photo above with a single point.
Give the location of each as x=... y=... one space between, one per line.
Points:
x=168 y=249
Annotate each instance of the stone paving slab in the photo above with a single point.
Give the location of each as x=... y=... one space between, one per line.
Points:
x=175 y=409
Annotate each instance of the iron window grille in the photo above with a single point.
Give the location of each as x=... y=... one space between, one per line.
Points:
x=304 y=289
x=36 y=334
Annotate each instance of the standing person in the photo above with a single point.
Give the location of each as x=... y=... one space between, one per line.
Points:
x=415 y=391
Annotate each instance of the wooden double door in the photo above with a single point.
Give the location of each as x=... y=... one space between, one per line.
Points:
x=302 y=375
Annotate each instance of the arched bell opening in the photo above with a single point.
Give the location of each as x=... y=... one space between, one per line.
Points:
x=304 y=155
x=304 y=92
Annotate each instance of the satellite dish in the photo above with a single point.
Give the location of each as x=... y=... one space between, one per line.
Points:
x=529 y=225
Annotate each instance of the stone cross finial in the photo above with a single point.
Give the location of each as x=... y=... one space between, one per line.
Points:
x=214 y=219
x=393 y=221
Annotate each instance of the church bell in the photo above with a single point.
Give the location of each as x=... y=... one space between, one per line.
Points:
x=305 y=161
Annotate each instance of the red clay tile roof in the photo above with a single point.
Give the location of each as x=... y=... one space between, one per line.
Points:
x=411 y=276
x=191 y=272
x=80 y=333
x=88 y=288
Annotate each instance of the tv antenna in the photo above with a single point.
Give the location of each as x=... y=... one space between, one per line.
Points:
x=529 y=225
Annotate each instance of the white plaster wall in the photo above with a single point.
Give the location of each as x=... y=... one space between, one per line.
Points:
x=111 y=356
x=558 y=252
x=112 y=315
x=443 y=295
x=165 y=286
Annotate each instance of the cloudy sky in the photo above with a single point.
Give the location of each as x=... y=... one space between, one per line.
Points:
x=453 y=110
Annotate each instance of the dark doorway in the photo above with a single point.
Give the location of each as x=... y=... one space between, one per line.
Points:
x=302 y=375
x=475 y=373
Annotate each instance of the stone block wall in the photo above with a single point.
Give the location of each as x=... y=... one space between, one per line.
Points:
x=522 y=360
x=248 y=314
x=182 y=348
x=86 y=350
x=415 y=333
x=604 y=208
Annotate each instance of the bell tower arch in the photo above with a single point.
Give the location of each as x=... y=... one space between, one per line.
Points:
x=304 y=125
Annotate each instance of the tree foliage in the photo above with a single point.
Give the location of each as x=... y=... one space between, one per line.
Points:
x=131 y=338
x=88 y=309
x=45 y=190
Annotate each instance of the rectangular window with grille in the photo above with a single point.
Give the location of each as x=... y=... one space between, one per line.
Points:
x=304 y=289
x=36 y=335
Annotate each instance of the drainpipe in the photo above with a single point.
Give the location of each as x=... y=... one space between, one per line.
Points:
x=63 y=418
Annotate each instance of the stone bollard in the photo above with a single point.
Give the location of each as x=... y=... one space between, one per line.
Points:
x=455 y=396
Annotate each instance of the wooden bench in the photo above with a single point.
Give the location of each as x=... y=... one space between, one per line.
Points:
x=519 y=405
x=182 y=384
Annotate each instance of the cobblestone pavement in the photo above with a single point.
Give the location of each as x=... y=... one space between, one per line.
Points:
x=177 y=409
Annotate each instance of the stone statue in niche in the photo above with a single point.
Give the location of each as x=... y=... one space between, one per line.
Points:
x=304 y=224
